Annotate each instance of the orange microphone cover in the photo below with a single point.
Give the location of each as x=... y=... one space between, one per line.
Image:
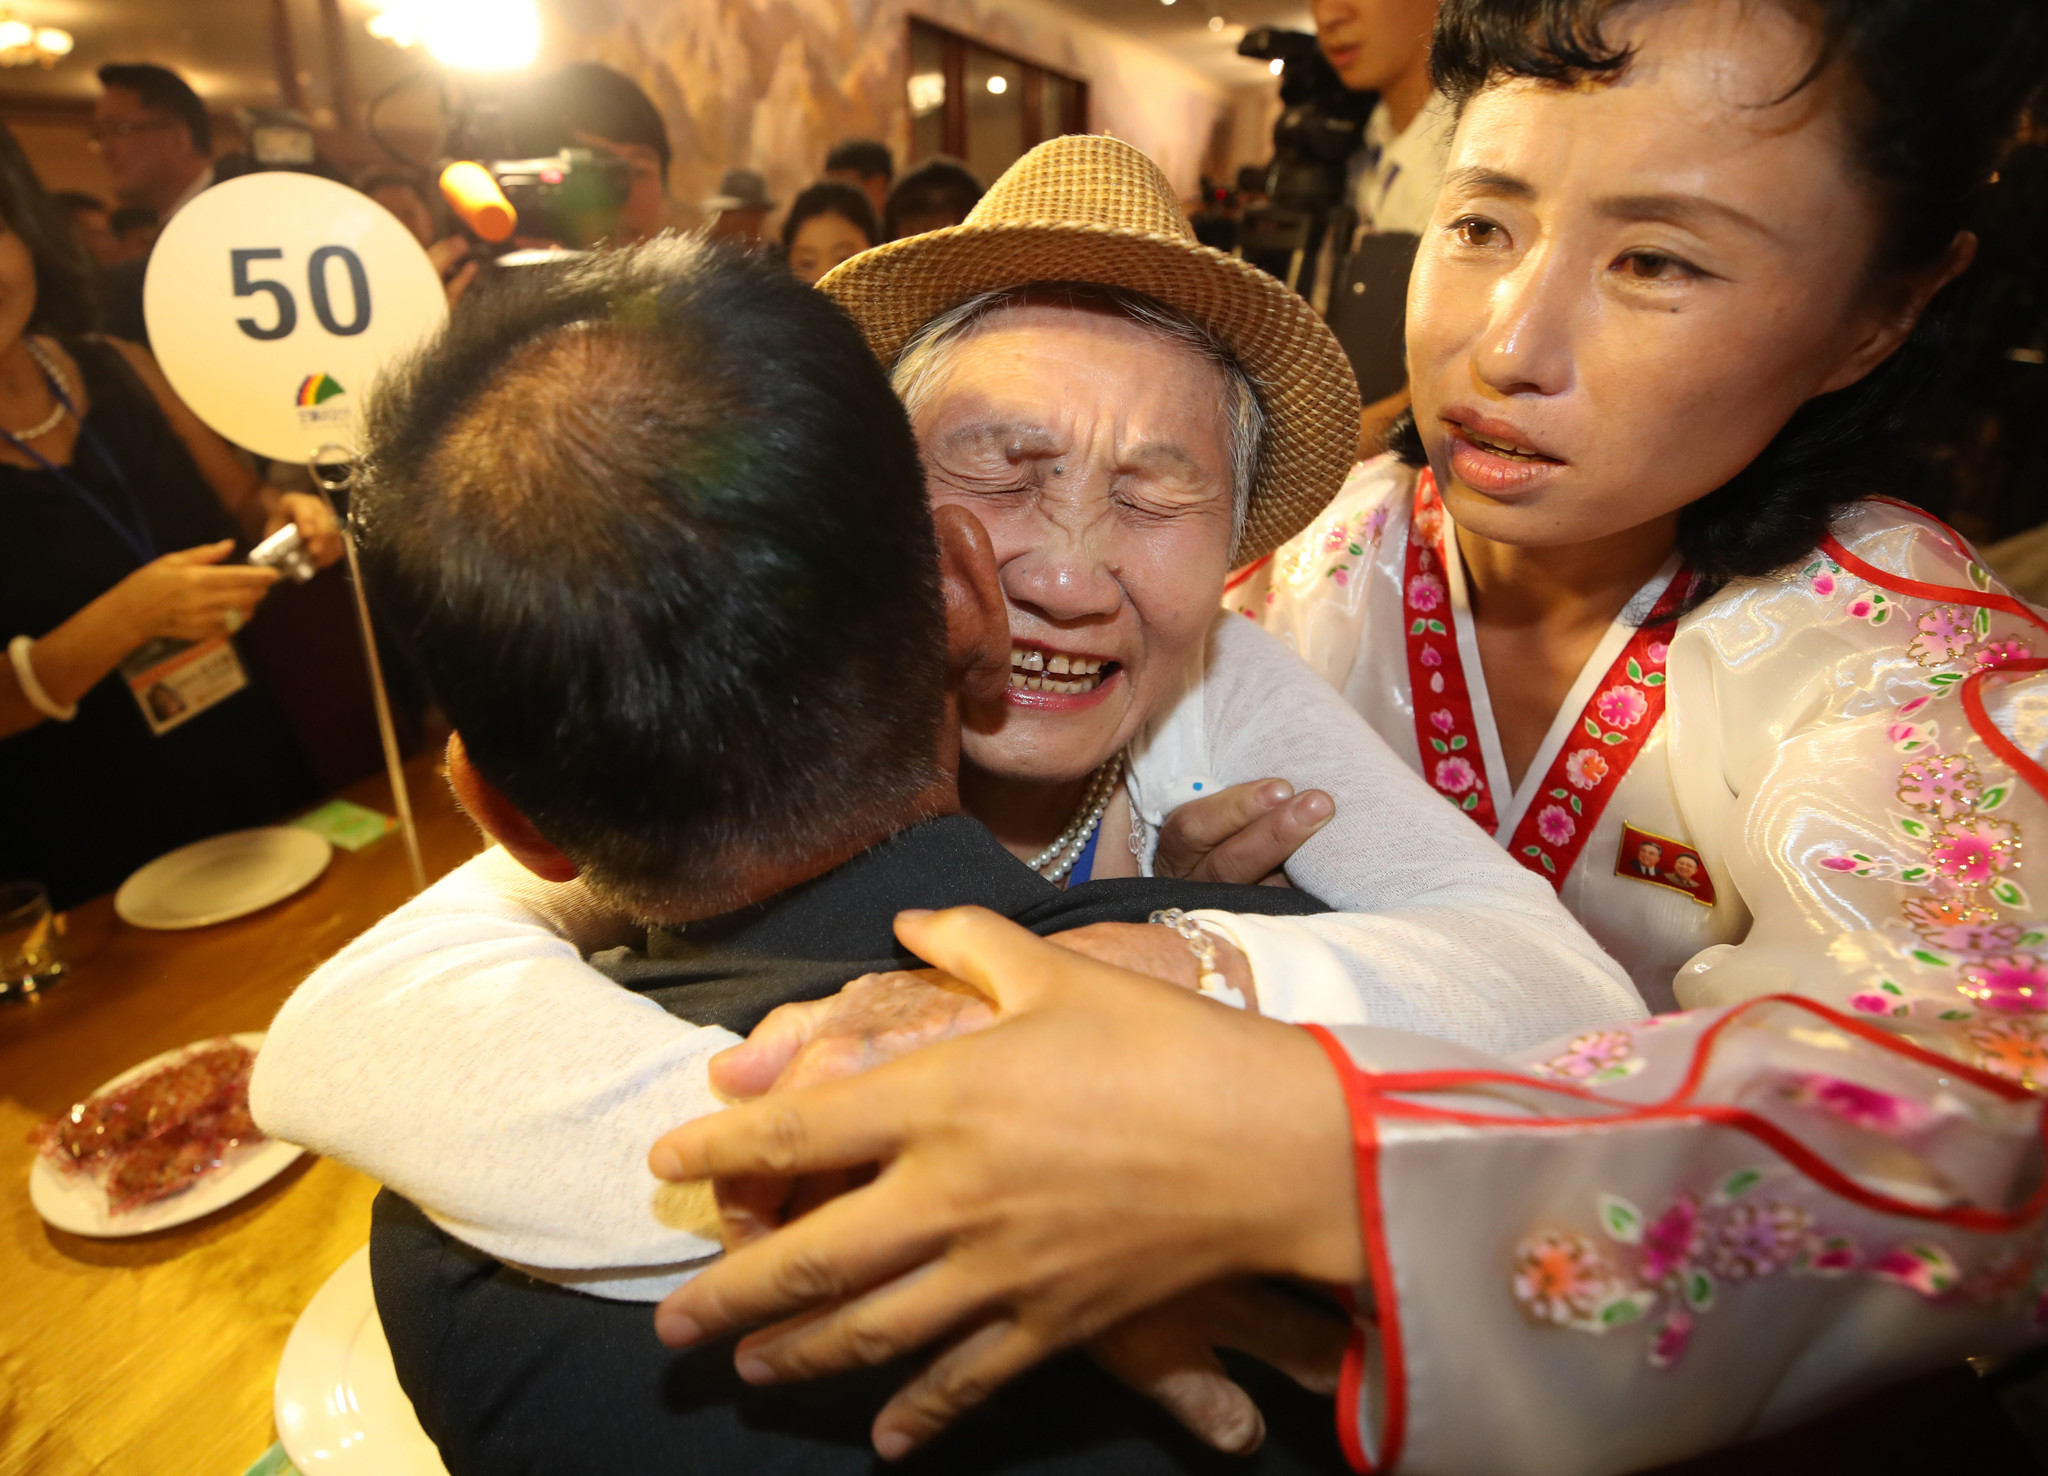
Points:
x=475 y=196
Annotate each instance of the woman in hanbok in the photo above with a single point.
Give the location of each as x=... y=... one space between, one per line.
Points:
x=1777 y=747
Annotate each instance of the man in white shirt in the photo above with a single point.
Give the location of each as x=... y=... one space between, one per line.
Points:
x=153 y=132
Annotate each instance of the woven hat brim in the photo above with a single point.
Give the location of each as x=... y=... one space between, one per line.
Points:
x=1304 y=381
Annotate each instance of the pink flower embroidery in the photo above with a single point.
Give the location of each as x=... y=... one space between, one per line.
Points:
x=1876 y=1002
x=2017 y=984
x=1341 y=575
x=2002 y=653
x=1834 y=1256
x=1431 y=656
x=1840 y=863
x=1587 y=1055
x=1921 y=1265
x=1561 y=1278
x=1976 y=938
x=1335 y=539
x=1907 y=709
x=1554 y=825
x=1373 y=525
x=1862 y=609
x=1672 y=1240
x=1454 y=775
x=1425 y=593
x=1657 y=651
x=1585 y=768
x=1622 y=706
x=1429 y=521
x=1945 y=634
x=1436 y=682
x=1442 y=720
x=1925 y=914
x=1668 y=1342
x=1756 y=1239
x=1941 y=784
x=2012 y=1048
x=1823 y=584
x=1858 y=1105
x=1975 y=850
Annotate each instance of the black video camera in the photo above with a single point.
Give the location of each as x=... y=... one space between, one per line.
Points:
x=572 y=198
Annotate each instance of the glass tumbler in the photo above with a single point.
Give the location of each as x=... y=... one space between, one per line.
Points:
x=28 y=941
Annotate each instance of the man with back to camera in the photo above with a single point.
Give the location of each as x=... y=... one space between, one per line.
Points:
x=866 y=164
x=154 y=134
x=697 y=650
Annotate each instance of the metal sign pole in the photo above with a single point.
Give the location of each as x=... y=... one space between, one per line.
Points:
x=330 y=483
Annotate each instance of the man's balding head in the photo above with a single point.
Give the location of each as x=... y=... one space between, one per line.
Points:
x=654 y=528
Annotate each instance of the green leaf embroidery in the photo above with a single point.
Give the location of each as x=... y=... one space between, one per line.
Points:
x=1740 y=1183
x=1979 y=576
x=2032 y=940
x=1932 y=960
x=1983 y=621
x=1592 y=728
x=1882 y=613
x=1859 y=856
x=1622 y=1220
x=1548 y=865
x=1457 y=742
x=1530 y=851
x=1356 y=551
x=1917 y=829
x=1635 y=670
x=1944 y=679
x=1626 y=1309
x=1954 y=1015
x=1993 y=797
x=1888 y=987
x=1915 y=873
x=1418 y=627
x=1699 y=1290
x=1557 y=794
x=2009 y=893
x=1577 y=808
x=1436 y=627
x=1654 y=679
x=1439 y=745
x=1614 y=737
x=1470 y=802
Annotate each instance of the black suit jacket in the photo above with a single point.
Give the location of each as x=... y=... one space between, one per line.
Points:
x=513 y=1375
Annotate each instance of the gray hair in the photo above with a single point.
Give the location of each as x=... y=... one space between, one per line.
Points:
x=922 y=363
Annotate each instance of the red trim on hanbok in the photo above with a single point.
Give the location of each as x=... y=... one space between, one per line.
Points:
x=1994 y=738
x=1246 y=572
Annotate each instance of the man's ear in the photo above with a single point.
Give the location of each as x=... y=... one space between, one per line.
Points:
x=977 y=616
x=501 y=821
x=1902 y=307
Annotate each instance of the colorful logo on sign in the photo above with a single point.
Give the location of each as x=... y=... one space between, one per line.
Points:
x=316 y=389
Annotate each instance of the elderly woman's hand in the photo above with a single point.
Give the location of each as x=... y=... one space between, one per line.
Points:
x=1040 y=1181
x=1242 y=834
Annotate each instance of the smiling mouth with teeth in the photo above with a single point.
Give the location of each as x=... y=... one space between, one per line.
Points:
x=1057 y=671
x=1502 y=448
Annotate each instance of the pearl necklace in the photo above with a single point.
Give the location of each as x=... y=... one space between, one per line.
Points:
x=1057 y=859
x=50 y=371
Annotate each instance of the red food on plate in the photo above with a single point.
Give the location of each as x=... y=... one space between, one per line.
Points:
x=152 y=1137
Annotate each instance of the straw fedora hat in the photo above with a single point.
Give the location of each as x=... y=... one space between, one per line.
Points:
x=1090 y=209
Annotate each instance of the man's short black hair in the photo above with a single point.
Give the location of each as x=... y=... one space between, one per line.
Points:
x=167 y=92
x=940 y=185
x=653 y=527
x=587 y=97
x=869 y=158
x=831 y=197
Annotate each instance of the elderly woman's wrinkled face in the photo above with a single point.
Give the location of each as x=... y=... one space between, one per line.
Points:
x=1097 y=455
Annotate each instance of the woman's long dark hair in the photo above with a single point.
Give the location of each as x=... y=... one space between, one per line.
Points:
x=64 y=275
x=1943 y=84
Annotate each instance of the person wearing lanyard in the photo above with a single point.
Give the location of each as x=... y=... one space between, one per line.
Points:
x=128 y=725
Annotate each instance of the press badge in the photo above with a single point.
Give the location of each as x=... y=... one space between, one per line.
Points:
x=174 y=681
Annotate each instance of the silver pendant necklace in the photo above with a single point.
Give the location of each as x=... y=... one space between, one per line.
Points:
x=1057 y=859
x=49 y=367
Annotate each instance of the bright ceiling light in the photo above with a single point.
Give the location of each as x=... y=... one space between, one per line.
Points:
x=1276 y=66
x=1215 y=22
x=467 y=35
x=999 y=84
x=55 y=42
x=14 y=33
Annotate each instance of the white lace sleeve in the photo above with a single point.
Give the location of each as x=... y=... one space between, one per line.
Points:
x=1437 y=930
x=465 y=1054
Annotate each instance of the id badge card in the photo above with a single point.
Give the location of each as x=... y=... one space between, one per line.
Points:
x=174 y=681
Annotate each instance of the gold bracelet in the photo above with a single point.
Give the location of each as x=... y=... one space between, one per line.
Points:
x=1210 y=982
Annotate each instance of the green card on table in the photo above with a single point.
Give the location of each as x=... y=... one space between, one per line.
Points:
x=347 y=825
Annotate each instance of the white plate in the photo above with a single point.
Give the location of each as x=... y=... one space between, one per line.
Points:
x=339 y=1409
x=76 y=1203
x=222 y=877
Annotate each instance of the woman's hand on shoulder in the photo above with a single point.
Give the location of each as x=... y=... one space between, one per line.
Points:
x=188 y=595
x=1243 y=834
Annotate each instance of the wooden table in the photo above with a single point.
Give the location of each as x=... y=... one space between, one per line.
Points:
x=154 y=1356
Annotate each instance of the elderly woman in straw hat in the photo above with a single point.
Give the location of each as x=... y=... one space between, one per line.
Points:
x=1126 y=414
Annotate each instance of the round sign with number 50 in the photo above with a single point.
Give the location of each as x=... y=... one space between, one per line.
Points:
x=275 y=300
